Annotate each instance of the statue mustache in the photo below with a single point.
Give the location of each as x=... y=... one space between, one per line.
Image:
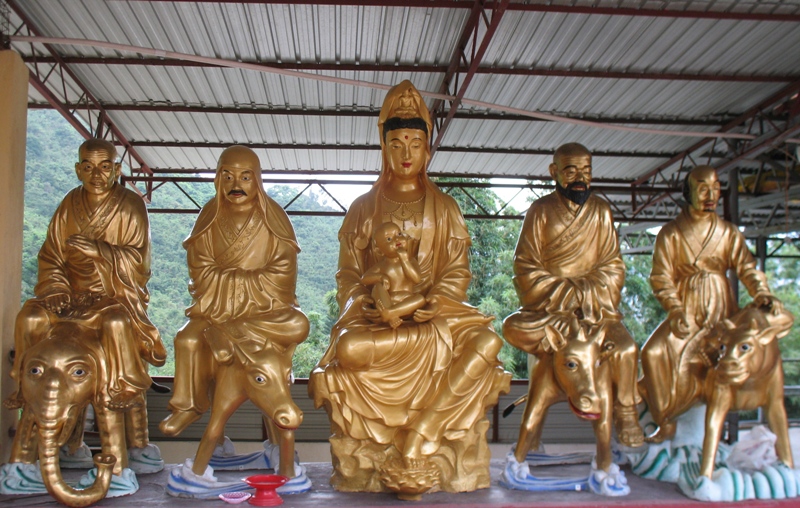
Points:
x=237 y=192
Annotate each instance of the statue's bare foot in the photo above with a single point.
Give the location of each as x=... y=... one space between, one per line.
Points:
x=412 y=452
x=415 y=464
x=174 y=424
x=395 y=322
x=14 y=401
x=629 y=432
x=125 y=400
x=665 y=431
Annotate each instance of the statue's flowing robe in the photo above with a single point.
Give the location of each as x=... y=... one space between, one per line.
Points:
x=689 y=272
x=375 y=403
x=564 y=258
x=118 y=279
x=244 y=281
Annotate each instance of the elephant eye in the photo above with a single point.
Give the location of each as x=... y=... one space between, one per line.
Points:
x=571 y=365
x=261 y=379
x=36 y=371
x=79 y=372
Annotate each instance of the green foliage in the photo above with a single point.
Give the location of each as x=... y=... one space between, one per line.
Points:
x=52 y=153
x=784 y=278
x=641 y=311
x=492 y=264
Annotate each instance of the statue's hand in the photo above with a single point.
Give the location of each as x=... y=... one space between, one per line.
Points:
x=369 y=310
x=85 y=245
x=678 y=324
x=428 y=312
x=770 y=302
x=56 y=303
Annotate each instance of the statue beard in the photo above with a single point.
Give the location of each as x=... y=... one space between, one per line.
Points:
x=578 y=197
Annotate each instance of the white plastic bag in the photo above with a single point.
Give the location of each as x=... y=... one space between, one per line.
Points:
x=755 y=452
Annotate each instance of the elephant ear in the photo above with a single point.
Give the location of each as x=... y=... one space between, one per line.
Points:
x=97 y=361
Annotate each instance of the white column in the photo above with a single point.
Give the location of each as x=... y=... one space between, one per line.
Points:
x=13 y=126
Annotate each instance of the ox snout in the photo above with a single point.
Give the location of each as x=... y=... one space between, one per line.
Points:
x=586 y=407
x=732 y=372
x=289 y=417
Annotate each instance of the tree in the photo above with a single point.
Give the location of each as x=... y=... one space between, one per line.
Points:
x=492 y=264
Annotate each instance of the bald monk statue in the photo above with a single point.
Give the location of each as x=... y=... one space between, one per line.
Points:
x=93 y=269
x=691 y=258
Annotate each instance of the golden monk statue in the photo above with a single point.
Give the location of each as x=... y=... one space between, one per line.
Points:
x=242 y=256
x=413 y=397
x=692 y=255
x=93 y=269
x=84 y=339
x=567 y=265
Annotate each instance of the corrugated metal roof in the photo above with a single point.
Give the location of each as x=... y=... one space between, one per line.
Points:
x=581 y=40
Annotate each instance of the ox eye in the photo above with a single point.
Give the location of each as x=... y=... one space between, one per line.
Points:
x=79 y=372
x=260 y=379
x=745 y=347
x=571 y=365
x=722 y=348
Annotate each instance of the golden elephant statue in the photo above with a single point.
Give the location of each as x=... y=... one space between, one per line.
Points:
x=61 y=375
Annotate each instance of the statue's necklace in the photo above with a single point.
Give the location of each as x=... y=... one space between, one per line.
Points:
x=406 y=211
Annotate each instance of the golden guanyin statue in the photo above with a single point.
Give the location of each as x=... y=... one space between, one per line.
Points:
x=85 y=337
x=692 y=255
x=244 y=321
x=407 y=391
x=568 y=267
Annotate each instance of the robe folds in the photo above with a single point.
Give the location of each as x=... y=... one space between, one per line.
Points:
x=689 y=273
x=118 y=279
x=377 y=402
x=690 y=263
x=564 y=261
x=244 y=281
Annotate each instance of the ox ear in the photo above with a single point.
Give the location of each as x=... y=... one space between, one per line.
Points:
x=772 y=333
x=553 y=339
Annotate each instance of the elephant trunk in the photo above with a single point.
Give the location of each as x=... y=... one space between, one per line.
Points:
x=51 y=473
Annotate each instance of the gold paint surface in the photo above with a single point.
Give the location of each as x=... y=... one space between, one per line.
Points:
x=411 y=368
x=244 y=321
x=568 y=273
x=85 y=336
x=691 y=257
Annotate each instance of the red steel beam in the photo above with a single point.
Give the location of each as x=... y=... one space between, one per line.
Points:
x=350 y=113
x=118 y=136
x=477 y=55
x=736 y=122
x=455 y=60
x=444 y=149
x=524 y=7
x=59 y=106
x=767 y=144
x=515 y=71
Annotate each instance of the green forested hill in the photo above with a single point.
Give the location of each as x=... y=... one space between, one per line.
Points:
x=51 y=155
